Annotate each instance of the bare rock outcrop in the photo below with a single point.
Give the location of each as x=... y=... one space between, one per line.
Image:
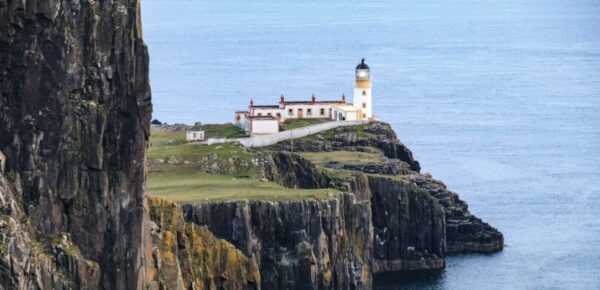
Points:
x=304 y=244
x=75 y=110
x=189 y=256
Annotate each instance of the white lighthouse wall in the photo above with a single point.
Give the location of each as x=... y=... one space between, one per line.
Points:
x=359 y=99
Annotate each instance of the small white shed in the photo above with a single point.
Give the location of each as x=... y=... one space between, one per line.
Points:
x=263 y=125
x=345 y=113
x=194 y=136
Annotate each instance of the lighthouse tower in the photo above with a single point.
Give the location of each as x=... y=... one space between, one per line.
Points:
x=362 y=90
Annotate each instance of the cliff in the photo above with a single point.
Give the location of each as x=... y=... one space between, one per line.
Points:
x=75 y=110
x=389 y=217
x=304 y=244
x=372 y=163
x=188 y=256
x=75 y=107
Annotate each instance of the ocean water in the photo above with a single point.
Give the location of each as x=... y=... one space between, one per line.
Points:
x=499 y=99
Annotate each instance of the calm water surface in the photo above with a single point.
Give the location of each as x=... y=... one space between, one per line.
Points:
x=500 y=99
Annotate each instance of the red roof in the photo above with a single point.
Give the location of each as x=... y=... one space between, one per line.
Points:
x=311 y=102
x=266 y=106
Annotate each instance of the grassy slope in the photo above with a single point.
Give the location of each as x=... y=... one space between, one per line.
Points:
x=222 y=130
x=194 y=186
x=187 y=182
x=298 y=123
x=352 y=157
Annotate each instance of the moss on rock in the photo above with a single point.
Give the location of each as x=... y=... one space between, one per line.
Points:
x=189 y=256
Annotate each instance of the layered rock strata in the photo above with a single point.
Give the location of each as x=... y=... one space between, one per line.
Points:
x=464 y=232
x=188 y=256
x=75 y=110
x=304 y=244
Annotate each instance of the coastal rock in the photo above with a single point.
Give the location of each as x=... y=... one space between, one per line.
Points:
x=188 y=256
x=464 y=231
x=293 y=171
x=409 y=227
x=304 y=244
x=355 y=138
x=75 y=110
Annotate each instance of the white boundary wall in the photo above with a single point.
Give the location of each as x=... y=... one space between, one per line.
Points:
x=270 y=139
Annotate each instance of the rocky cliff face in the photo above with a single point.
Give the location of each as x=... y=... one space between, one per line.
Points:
x=188 y=256
x=375 y=135
x=407 y=205
x=464 y=231
x=410 y=229
x=305 y=244
x=75 y=110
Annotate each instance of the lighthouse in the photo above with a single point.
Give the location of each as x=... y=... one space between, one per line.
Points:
x=362 y=90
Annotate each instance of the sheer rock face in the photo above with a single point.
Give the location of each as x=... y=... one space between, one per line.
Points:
x=410 y=229
x=75 y=109
x=188 y=256
x=464 y=232
x=305 y=244
x=293 y=171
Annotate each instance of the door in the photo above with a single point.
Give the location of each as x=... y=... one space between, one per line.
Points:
x=300 y=114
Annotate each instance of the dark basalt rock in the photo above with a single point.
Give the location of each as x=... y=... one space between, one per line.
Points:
x=188 y=256
x=409 y=227
x=464 y=232
x=75 y=110
x=293 y=171
x=376 y=135
x=389 y=167
x=305 y=244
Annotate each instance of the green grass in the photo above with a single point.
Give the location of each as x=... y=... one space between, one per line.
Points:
x=160 y=138
x=359 y=130
x=194 y=186
x=197 y=152
x=227 y=130
x=188 y=181
x=344 y=157
x=299 y=123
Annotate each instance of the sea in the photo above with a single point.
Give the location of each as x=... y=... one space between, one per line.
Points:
x=499 y=99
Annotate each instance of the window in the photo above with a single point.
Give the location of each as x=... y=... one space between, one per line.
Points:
x=259 y=114
x=309 y=112
x=269 y=114
x=364 y=105
x=278 y=115
x=364 y=93
x=322 y=112
x=364 y=115
x=291 y=112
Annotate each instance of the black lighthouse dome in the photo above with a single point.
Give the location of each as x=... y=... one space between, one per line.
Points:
x=362 y=65
x=362 y=71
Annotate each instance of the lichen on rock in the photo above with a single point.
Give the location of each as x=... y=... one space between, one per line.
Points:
x=189 y=256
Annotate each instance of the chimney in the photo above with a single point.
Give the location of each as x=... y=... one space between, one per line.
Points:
x=281 y=99
x=343 y=98
x=314 y=98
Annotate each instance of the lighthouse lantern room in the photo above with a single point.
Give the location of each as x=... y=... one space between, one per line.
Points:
x=265 y=119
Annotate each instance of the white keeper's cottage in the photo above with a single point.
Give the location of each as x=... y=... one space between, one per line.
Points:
x=265 y=119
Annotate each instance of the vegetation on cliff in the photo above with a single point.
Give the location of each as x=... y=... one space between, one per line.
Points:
x=195 y=172
x=415 y=219
x=189 y=256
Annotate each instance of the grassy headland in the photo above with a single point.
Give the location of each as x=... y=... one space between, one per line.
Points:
x=185 y=172
x=299 y=123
